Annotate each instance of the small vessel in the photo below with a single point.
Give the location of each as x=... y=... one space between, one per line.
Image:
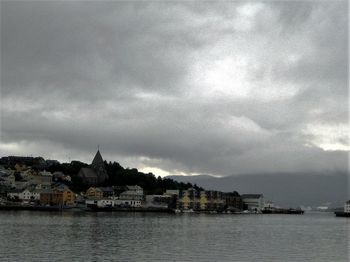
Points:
x=342 y=214
x=187 y=211
x=290 y=211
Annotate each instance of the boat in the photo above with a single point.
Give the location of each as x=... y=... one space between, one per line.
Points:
x=187 y=211
x=342 y=214
x=289 y=211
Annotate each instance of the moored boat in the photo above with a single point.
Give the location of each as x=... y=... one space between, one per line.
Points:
x=342 y=214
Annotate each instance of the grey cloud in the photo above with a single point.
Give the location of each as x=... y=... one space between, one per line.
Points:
x=118 y=74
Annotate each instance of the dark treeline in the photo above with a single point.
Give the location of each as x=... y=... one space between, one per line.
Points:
x=120 y=176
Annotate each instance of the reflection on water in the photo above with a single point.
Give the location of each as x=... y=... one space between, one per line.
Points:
x=41 y=236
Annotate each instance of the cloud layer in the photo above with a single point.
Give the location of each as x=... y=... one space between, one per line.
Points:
x=217 y=88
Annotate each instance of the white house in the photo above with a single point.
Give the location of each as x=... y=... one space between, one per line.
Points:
x=100 y=202
x=347 y=207
x=132 y=193
x=128 y=202
x=108 y=202
x=25 y=195
x=254 y=202
x=29 y=195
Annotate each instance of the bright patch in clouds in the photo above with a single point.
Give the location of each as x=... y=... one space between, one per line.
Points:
x=161 y=172
x=224 y=77
x=330 y=138
x=245 y=16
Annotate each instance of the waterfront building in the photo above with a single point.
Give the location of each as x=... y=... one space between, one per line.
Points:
x=188 y=199
x=107 y=191
x=158 y=201
x=347 y=207
x=100 y=203
x=215 y=200
x=128 y=203
x=203 y=200
x=174 y=196
x=94 y=192
x=208 y=200
x=68 y=195
x=58 y=196
x=51 y=197
x=233 y=201
x=24 y=194
x=96 y=174
x=110 y=202
x=132 y=193
x=253 y=202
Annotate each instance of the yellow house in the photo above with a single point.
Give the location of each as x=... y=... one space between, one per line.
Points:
x=58 y=196
x=185 y=201
x=203 y=201
x=68 y=197
x=94 y=192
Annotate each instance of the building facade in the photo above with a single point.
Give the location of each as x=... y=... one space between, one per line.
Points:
x=253 y=202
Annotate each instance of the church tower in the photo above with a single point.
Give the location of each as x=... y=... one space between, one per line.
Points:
x=99 y=167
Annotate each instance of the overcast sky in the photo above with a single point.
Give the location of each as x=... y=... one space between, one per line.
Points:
x=214 y=88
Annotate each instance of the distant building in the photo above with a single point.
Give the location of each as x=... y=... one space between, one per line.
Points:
x=108 y=202
x=61 y=195
x=132 y=193
x=96 y=174
x=94 y=192
x=107 y=191
x=253 y=202
x=206 y=200
x=347 y=207
x=24 y=195
x=44 y=177
x=233 y=201
x=51 y=197
x=158 y=201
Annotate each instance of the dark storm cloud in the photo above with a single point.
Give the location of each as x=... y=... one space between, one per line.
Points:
x=219 y=88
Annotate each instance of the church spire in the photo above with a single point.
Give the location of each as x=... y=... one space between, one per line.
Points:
x=98 y=160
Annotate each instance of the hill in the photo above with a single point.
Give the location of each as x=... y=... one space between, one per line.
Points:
x=285 y=189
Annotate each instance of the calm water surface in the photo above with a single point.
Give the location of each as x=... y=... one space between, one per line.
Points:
x=41 y=236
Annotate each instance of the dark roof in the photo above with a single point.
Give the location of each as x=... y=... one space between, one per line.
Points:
x=46 y=191
x=106 y=189
x=88 y=172
x=98 y=160
x=16 y=191
x=252 y=195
